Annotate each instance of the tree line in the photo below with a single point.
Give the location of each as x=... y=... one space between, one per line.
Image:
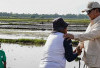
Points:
x=42 y=16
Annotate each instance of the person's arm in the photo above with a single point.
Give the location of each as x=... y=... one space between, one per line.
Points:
x=4 y=60
x=88 y=36
x=81 y=44
x=69 y=55
x=4 y=64
x=91 y=35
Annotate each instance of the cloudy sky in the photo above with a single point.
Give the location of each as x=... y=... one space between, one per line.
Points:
x=44 y=6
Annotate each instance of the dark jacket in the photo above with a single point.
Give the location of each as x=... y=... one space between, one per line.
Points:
x=69 y=55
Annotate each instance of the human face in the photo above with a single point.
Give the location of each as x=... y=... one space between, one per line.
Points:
x=65 y=30
x=92 y=14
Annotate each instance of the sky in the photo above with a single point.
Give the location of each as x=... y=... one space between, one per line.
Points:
x=44 y=6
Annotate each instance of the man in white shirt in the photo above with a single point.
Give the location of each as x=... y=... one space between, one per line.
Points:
x=90 y=40
x=58 y=49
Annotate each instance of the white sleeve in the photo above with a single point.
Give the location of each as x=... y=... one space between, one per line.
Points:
x=93 y=34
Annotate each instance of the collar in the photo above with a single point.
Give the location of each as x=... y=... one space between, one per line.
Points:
x=96 y=19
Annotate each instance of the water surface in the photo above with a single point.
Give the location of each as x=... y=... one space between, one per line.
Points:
x=19 y=56
x=25 y=34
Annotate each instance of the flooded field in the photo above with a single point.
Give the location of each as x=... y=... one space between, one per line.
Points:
x=19 y=56
x=46 y=26
x=22 y=56
x=25 y=34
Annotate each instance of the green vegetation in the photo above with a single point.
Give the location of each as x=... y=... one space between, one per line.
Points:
x=75 y=43
x=42 y=16
x=39 y=21
x=23 y=20
x=78 y=21
x=77 y=59
x=37 y=42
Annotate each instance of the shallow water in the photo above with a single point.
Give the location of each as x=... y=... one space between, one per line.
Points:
x=22 y=56
x=25 y=34
x=19 y=56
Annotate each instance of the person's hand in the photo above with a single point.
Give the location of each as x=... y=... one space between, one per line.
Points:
x=78 y=50
x=69 y=36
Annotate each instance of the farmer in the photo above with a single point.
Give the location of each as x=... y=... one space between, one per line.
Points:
x=57 y=48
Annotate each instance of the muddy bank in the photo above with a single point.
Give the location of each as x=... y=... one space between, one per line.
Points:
x=41 y=27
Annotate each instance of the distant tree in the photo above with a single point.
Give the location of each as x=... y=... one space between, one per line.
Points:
x=16 y=15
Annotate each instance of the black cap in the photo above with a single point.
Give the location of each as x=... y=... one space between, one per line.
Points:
x=59 y=24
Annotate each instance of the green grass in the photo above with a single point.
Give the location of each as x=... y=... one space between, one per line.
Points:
x=71 y=21
x=36 y=42
x=75 y=43
x=78 y=21
x=25 y=20
x=77 y=59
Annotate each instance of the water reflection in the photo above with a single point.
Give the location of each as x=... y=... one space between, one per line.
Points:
x=22 y=56
x=27 y=56
x=25 y=34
